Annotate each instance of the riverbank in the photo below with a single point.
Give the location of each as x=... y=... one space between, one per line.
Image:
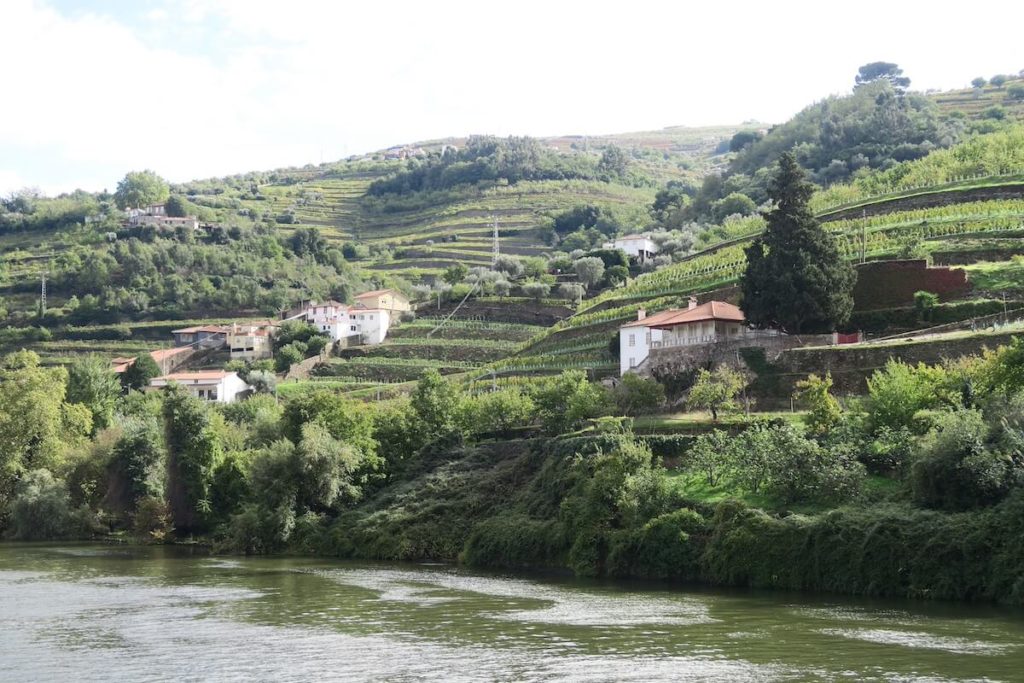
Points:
x=538 y=504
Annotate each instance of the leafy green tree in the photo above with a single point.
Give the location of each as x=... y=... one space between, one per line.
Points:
x=350 y=422
x=498 y=412
x=583 y=216
x=823 y=408
x=715 y=390
x=455 y=274
x=565 y=402
x=589 y=270
x=193 y=452
x=138 y=460
x=743 y=138
x=41 y=507
x=795 y=279
x=141 y=188
x=734 y=203
x=710 y=455
x=92 y=384
x=262 y=381
x=999 y=80
x=1015 y=92
x=898 y=391
x=137 y=375
x=956 y=470
x=616 y=275
x=536 y=290
x=887 y=71
x=178 y=207
x=34 y=431
x=614 y=161
x=437 y=405
x=635 y=395
x=979 y=83
x=325 y=469
x=510 y=265
x=287 y=356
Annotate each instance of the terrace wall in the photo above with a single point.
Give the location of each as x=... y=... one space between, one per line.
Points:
x=890 y=284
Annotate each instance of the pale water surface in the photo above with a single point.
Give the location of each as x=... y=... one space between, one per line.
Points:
x=103 y=613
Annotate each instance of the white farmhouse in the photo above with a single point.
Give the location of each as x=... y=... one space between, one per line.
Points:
x=369 y=323
x=372 y=323
x=217 y=386
x=708 y=323
x=639 y=247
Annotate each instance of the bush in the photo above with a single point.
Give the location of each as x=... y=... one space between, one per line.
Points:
x=634 y=395
x=41 y=508
x=286 y=357
x=956 y=470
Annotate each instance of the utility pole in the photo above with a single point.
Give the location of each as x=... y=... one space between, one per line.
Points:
x=863 y=234
x=42 y=294
x=497 y=249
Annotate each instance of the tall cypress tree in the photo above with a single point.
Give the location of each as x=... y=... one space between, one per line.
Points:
x=795 y=280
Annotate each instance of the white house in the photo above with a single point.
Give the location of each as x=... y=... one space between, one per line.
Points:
x=210 y=385
x=708 y=323
x=372 y=324
x=369 y=323
x=639 y=247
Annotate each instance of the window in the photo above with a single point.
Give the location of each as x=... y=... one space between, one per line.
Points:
x=632 y=340
x=648 y=338
x=632 y=362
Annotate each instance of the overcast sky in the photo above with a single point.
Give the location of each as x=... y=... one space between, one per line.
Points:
x=200 y=88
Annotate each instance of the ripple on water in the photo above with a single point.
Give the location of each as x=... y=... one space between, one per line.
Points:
x=69 y=630
x=561 y=606
x=921 y=640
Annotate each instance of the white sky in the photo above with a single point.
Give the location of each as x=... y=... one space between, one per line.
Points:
x=200 y=88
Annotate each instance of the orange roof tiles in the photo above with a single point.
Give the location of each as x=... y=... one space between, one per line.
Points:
x=712 y=310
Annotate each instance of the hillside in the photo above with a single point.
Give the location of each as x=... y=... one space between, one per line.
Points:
x=402 y=217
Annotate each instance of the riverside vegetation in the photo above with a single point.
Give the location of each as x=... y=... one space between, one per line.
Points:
x=914 y=491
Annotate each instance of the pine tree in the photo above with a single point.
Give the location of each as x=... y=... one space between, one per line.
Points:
x=795 y=280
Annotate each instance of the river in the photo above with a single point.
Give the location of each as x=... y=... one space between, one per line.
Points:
x=103 y=613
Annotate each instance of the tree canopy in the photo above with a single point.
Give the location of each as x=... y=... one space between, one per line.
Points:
x=795 y=280
x=141 y=188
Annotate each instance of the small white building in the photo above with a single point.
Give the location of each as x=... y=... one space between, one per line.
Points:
x=639 y=247
x=217 y=386
x=340 y=321
x=372 y=324
x=708 y=323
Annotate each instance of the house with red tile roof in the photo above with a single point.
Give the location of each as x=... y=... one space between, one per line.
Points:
x=708 y=323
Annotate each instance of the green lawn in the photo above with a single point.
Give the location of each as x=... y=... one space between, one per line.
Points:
x=996 y=276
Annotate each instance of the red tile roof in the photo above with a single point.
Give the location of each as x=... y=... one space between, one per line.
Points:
x=712 y=310
x=198 y=375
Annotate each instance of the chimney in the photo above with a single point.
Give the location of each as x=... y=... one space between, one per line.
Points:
x=692 y=303
x=641 y=314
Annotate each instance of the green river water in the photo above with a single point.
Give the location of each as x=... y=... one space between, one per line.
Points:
x=113 y=613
